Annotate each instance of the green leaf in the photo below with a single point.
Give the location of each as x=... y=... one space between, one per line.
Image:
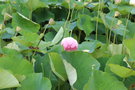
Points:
x=83 y=63
x=13 y=54
x=59 y=24
x=21 y=7
x=130 y=27
x=58 y=36
x=101 y=38
x=114 y=24
x=11 y=64
x=71 y=73
x=91 y=46
x=129 y=43
x=101 y=52
x=130 y=82
x=133 y=11
x=119 y=29
x=58 y=66
x=102 y=61
x=116 y=59
x=34 y=4
x=42 y=14
x=84 y=23
x=57 y=48
x=24 y=23
x=42 y=64
x=35 y=81
x=124 y=9
x=28 y=39
x=7 y=80
x=49 y=36
x=2 y=6
x=121 y=71
x=53 y=2
x=103 y=81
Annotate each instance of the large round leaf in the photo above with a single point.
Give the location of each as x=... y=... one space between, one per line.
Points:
x=103 y=81
x=83 y=63
x=19 y=67
x=84 y=23
x=24 y=23
x=35 y=82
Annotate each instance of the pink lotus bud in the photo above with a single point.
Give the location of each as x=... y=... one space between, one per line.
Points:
x=69 y=44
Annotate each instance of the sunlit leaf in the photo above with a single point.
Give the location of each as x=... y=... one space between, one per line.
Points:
x=7 y=80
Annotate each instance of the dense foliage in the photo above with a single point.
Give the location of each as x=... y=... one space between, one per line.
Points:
x=32 y=58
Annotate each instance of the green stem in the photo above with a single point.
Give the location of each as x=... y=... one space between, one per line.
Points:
x=107 y=35
x=111 y=29
x=0 y=42
x=79 y=36
x=97 y=20
x=67 y=16
x=59 y=84
x=65 y=25
x=126 y=27
x=71 y=20
x=125 y=32
x=43 y=34
x=40 y=40
x=114 y=39
x=110 y=36
x=30 y=9
x=42 y=69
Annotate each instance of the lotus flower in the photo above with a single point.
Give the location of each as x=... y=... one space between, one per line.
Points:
x=69 y=44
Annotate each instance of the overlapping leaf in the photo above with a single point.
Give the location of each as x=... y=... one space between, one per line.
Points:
x=83 y=63
x=103 y=81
